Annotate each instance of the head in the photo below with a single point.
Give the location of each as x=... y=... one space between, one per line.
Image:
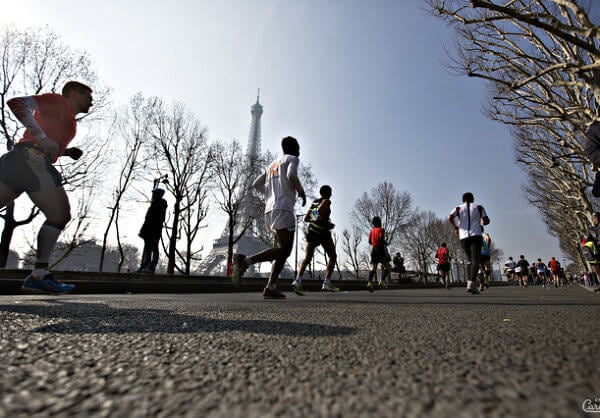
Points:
x=376 y=221
x=596 y=217
x=522 y=257
x=444 y=244
x=158 y=193
x=79 y=96
x=290 y=146
x=325 y=191
x=510 y=258
x=468 y=197
x=539 y=260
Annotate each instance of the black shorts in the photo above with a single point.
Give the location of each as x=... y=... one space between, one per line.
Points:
x=317 y=236
x=379 y=255
x=25 y=169
x=444 y=267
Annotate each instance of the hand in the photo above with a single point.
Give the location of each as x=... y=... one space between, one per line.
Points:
x=74 y=153
x=302 y=196
x=49 y=147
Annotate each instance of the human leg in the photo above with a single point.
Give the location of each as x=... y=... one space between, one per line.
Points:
x=153 y=254
x=54 y=204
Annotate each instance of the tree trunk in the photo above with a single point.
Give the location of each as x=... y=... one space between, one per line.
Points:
x=7 y=233
x=173 y=238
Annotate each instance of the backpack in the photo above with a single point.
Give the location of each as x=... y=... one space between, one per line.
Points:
x=590 y=253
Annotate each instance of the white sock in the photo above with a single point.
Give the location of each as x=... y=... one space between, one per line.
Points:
x=326 y=281
x=299 y=279
x=469 y=284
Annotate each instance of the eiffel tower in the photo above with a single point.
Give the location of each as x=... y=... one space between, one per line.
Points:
x=215 y=262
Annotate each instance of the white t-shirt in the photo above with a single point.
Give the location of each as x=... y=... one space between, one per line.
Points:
x=469 y=221
x=276 y=185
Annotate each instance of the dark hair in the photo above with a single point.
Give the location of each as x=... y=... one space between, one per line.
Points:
x=75 y=86
x=325 y=191
x=468 y=197
x=443 y=244
x=290 y=146
x=376 y=221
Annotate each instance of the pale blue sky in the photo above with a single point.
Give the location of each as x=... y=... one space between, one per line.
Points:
x=360 y=84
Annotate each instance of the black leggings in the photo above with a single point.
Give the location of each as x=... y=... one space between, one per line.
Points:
x=472 y=247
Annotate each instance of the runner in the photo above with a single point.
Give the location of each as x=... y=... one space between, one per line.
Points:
x=50 y=125
x=279 y=183
x=379 y=254
x=318 y=233
x=594 y=236
x=470 y=218
x=443 y=264
x=555 y=269
x=523 y=270
x=511 y=265
x=486 y=261
x=540 y=269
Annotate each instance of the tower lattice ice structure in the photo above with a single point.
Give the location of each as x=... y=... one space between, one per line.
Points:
x=215 y=262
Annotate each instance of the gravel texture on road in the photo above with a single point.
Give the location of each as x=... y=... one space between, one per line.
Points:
x=525 y=352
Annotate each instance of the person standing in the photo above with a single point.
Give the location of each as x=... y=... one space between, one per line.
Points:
x=279 y=183
x=442 y=256
x=50 y=125
x=468 y=220
x=152 y=231
x=318 y=233
x=379 y=254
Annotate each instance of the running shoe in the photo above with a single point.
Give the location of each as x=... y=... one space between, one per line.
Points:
x=370 y=286
x=382 y=285
x=473 y=291
x=47 y=284
x=297 y=287
x=328 y=287
x=272 y=294
x=597 y=289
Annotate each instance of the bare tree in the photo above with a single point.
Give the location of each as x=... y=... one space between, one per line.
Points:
x=538 y=58
x=419 y=240
x=130 y=131
x=395 y=209
x=180 y=149
x=356 y=257
x=36 y=61
x=234 y=173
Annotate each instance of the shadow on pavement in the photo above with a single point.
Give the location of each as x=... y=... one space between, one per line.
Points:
x=100 y=318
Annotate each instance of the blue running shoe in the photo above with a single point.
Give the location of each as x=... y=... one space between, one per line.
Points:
x=48 y=284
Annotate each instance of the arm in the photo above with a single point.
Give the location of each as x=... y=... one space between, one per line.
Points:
x=451 y=220
x=23 y=108
x=485 y=220
x=292 y=176
x=259 y=183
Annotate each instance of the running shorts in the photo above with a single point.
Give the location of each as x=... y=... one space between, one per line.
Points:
x=280 y=219
x=379 y=255
x=27 y=169
x=444 y=267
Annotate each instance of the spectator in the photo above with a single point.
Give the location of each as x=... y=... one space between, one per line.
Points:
x=152 y=231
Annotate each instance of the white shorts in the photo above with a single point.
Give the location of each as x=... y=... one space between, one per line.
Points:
x=280 y=219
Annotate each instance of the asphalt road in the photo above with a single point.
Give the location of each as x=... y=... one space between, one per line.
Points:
x=415 y=353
